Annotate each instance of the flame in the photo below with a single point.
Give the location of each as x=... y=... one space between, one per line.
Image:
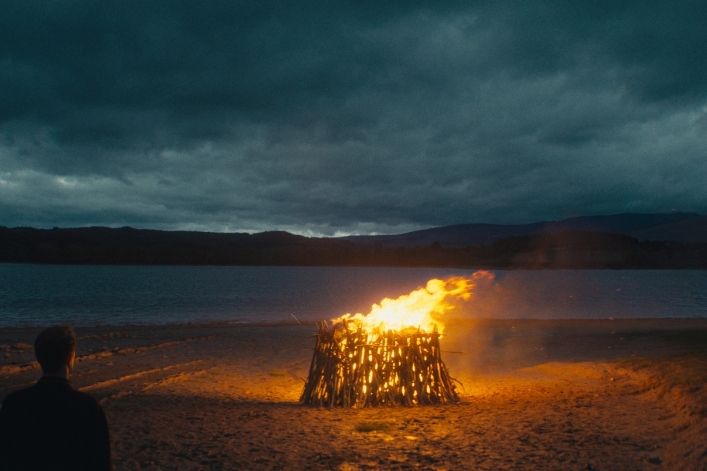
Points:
x=418 y=310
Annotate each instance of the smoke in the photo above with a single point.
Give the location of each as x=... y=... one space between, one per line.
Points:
x=523 y=318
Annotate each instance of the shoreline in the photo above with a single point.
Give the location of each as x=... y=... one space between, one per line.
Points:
x=288 y=323
x=411 y=267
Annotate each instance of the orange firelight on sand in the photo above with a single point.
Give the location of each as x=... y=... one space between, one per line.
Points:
x=420 y=309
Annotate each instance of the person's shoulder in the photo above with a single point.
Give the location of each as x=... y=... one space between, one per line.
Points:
x=84 y=399
x=19 y=402
x=20 y=395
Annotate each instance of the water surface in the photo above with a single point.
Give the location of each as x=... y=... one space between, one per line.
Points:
x=37 y=295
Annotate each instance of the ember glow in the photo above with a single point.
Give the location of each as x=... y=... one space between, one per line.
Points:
x=390 y=356
x=420 y=309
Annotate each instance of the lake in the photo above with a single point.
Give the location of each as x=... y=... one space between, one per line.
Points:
x=39 y=295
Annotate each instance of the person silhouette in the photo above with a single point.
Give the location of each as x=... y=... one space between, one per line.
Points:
x=50 y=425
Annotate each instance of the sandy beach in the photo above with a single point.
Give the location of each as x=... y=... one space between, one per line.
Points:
x=589 y=395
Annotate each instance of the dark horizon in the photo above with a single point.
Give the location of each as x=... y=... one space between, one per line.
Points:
x=621 y=241
x=584 y=221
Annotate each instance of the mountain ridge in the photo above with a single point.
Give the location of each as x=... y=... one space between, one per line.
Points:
x=651 y=226
x=576 y=243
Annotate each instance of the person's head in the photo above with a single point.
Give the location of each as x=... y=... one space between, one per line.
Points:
x=55 y=348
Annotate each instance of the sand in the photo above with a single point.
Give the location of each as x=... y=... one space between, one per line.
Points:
x=604 y=395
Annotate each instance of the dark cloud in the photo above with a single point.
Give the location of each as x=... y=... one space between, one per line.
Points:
x=348 y=117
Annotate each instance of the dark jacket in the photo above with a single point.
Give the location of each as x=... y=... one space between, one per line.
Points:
x=52 y=426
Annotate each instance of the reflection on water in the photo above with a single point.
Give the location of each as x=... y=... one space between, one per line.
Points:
x=89 y=295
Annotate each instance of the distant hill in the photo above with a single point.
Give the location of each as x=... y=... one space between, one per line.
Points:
x=126 y=245
x=681 y=227
x=675 y=240
x=690 y=231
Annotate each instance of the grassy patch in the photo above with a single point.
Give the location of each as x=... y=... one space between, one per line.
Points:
x=375 y=426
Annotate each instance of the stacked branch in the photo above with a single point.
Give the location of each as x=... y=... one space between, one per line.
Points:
x=354 y=368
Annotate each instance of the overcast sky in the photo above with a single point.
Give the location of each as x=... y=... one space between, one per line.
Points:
x=348 y=117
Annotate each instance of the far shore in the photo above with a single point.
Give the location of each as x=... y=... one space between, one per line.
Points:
x=536 y=394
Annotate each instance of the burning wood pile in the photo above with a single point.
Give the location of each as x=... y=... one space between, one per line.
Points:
x=390 y=356
x=349 y=369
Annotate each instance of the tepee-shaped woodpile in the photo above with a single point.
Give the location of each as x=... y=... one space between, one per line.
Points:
x=354 y=368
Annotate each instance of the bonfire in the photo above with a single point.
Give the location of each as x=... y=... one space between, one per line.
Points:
x=390 y=356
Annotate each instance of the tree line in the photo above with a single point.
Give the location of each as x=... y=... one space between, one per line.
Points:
x=128 y=246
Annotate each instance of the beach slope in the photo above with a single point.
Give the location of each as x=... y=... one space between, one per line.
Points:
x=564 y=395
